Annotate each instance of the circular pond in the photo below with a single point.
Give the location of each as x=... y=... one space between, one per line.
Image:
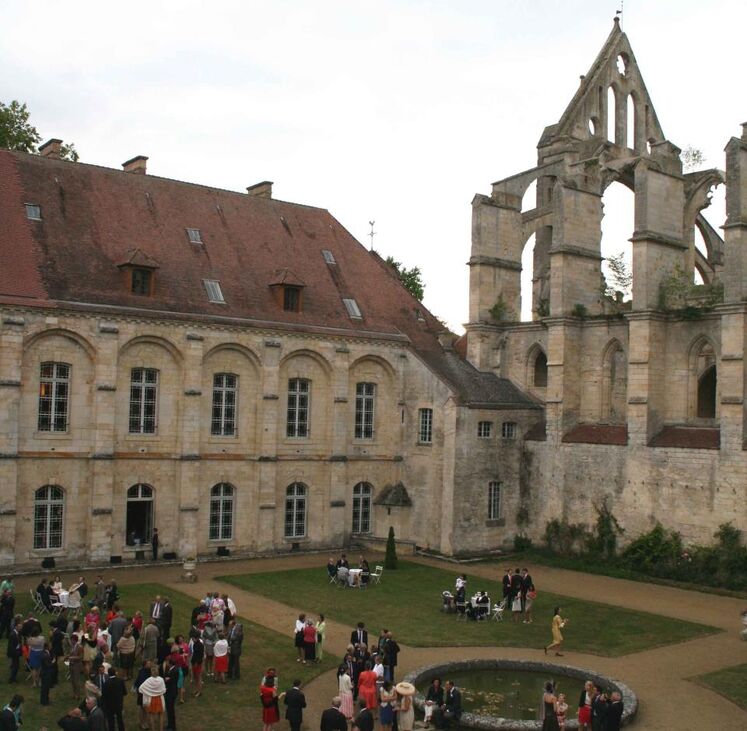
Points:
x=506 y=695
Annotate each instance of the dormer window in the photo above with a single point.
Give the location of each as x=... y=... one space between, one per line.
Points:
x=139 y=272
x=287 y=289
x=352 y=307
x=292 y=299
x=329 y=257
x=214 y=292
x=195 y=236
x=33 y=212
x=141 y=282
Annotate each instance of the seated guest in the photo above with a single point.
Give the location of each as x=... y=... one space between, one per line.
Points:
x=331 y=568
x=434 y=699
x=365 y=571
x=342 y=562
x=451 y=707
x=56 y=586
x=448 y=601
x=461 y=582
x=44 y=593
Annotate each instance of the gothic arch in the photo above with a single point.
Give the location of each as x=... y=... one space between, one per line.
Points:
x=702 y=380
x=614 y=395
x=537 y=367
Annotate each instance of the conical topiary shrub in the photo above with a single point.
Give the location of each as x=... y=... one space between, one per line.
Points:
x=390 y=560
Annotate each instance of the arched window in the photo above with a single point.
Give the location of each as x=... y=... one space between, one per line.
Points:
x=614 y=384
x=221 y=512
x=295 y=510
x=362 y=508
x=704 y=380
x=49 y=508
x=707 y=394
x=539 y=370
x=139 y=526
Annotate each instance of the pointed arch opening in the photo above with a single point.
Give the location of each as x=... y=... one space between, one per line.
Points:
x=630 y=122
x=614 y=384
x=537 y=367
x=611 y=114
x=706 y=405
x=618 y=223
x=703 y=381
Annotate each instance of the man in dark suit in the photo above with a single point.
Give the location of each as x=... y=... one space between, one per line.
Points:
x=332 y=719
x=235 y=640
x=167 y=617
x=599 y=708
x=8 y=716
x=391 y=651
x=154 y=543
x=295 y=702
x=452 y=707
x=112 y=699
x=73 y=721
x=44 y=594
x=359 y=636
x=171 y=678
x=364 y=721
x=14 y=652
x=614 y=713
x=507 y=589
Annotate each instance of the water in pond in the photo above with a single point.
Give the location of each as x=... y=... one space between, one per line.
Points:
x=509 y=693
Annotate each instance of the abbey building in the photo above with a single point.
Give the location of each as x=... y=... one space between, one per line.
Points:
x=240 y=373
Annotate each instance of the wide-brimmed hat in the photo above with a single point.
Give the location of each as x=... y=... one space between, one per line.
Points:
x=405 y=688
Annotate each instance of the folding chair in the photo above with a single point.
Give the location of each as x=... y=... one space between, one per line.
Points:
x=376 y=575
x=498 y=610
x=461 y=610
x=36 y=599
x=332 y=578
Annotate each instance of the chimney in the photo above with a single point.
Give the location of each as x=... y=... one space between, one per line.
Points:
x=51 y=148
x=261 y=190
x=137 y=165
x=744 y=131
x=446 y=339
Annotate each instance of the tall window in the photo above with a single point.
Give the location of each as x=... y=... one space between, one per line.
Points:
x=221 y=512
x=143 y=400
x=494 y=500
x=139 y=514
x=141 y=281
x=49 y=507
x=362 y=508
x=540 y=370
x=297 y=423
x=54 y=390
x=295 y=511
x=292 y=299
x=425 y=430
x=365 y=395
x=223 y=422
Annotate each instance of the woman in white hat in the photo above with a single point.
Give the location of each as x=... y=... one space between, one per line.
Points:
x=405 y=709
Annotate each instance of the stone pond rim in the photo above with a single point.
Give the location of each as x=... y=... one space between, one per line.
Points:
x=498 y=723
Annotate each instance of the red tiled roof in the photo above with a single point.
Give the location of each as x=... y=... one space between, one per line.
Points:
x=688 y=437
x=597 y=434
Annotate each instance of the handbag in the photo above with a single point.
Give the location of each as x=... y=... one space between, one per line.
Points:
x=532 y=594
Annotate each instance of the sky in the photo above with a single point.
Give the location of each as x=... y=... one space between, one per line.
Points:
x=396 y=111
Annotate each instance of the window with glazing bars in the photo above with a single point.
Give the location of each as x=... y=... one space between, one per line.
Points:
x=362 y=508
x=484 y=429
x=297 y=423
x=54 y=392
x=295 y=511
x=223 y=421
x=49 y=507
x=425 y=431
x=221 y=512
x=508 y=430
x=143 y=400
x=494 y=500
x=365 y=396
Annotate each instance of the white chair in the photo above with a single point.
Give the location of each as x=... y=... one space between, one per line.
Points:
x=376 y=575
x=38 y=604
x=461 y=610
x=498 y=610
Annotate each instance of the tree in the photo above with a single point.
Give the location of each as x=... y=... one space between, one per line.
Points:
x=620 y=279
x=412 y=279
x=692 y=158
x=17 y=133
x=390 y=559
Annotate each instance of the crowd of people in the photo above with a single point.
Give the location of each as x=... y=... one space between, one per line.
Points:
x=598 y=709
x=107 y=653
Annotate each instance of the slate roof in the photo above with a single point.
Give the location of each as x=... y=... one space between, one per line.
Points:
x=94 y=219
x=394 y=496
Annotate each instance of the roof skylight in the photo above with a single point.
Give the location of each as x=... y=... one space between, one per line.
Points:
x=352 y=307
x=329 y=257
x=214 y=292
x=194 y=235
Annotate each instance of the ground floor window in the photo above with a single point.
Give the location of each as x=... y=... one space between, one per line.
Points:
x=362 y=508
x=221 y=512
x=139 y=514
x=49 y=506
x=295 y=511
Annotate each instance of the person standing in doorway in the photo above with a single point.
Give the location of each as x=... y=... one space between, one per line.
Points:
x=154 y=541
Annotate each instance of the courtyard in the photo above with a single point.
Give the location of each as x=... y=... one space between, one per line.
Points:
x=678 y=650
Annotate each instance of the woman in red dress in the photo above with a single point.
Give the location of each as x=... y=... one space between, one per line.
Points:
x=367 y=687
x=268 y=694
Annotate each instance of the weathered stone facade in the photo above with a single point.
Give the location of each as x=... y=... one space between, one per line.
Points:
x=644 y=400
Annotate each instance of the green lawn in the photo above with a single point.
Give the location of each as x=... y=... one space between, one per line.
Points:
x=235 y=705
x=408 y=601
x=729 y=682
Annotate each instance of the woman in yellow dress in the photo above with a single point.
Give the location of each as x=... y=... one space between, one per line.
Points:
x=557 y=636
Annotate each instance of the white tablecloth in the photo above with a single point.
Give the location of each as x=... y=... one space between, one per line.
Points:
x=63 y=597
x=354 y=576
